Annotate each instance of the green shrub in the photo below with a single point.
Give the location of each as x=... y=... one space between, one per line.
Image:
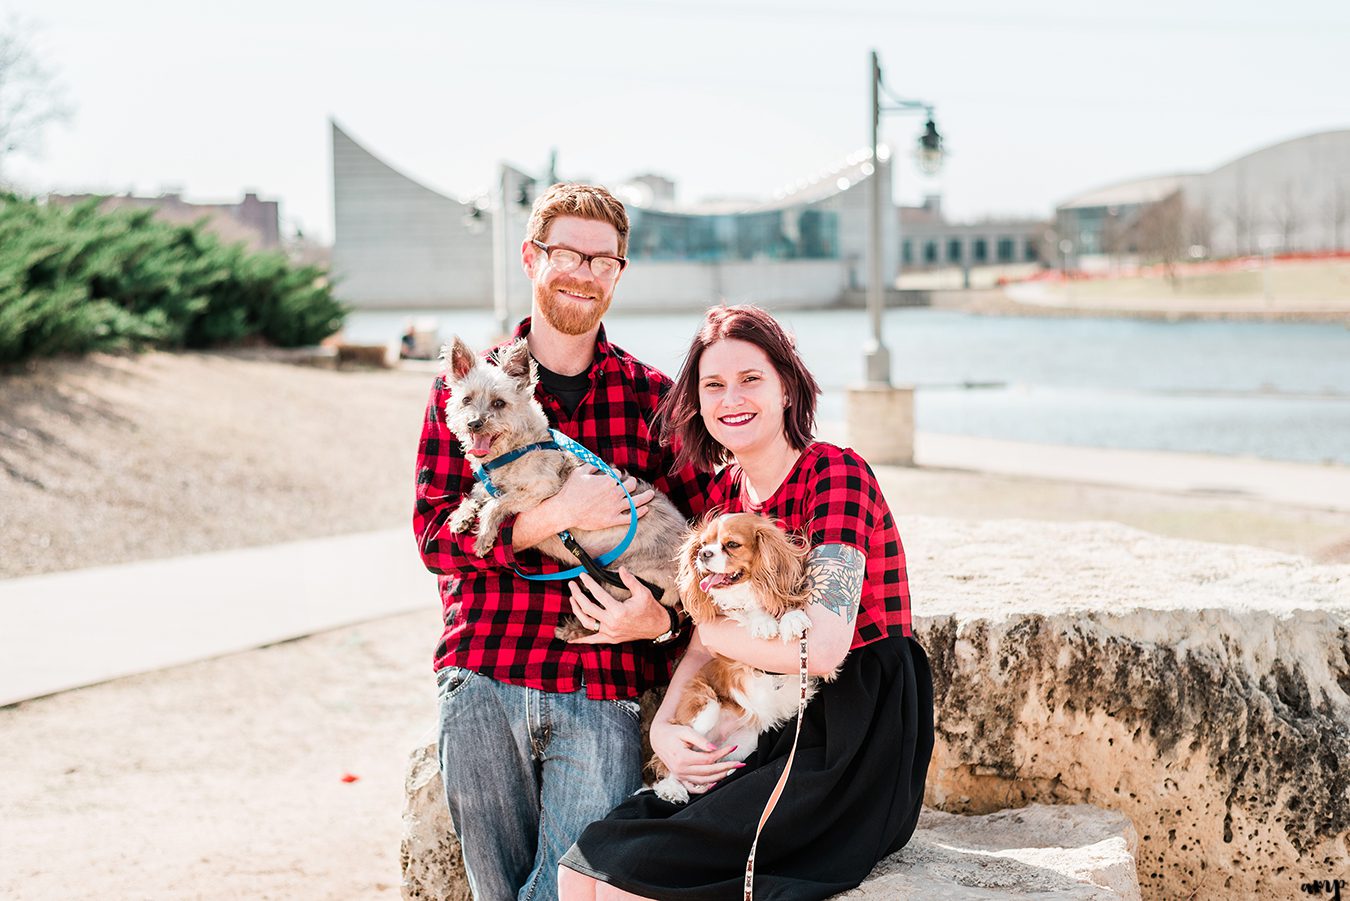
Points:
x=75 y=280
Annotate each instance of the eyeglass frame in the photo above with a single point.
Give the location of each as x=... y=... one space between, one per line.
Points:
x=585 y=257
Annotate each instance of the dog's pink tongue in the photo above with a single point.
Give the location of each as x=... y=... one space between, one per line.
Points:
x=481 y=445
x=711 y=581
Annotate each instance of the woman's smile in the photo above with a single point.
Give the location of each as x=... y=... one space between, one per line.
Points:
x=740 y=397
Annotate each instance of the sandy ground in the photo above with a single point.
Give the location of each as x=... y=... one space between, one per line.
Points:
x=223 y=779
x=110 y=458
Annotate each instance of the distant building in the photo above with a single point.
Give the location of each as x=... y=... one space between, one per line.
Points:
x=1288 y=197
x=929 y=241
x=401 y=245
x=252 y=222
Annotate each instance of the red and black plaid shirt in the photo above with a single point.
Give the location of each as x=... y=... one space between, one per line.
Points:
x=501 y=625
x=832 y=497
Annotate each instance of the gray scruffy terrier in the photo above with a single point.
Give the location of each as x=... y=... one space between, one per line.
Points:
x=491 y=411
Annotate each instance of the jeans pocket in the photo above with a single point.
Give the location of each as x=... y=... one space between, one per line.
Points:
x=632 y=708
x=450 y=680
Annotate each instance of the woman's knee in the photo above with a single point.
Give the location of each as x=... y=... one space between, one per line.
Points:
x=574 y=886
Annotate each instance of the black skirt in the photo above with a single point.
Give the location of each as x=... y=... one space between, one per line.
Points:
x=852 y=798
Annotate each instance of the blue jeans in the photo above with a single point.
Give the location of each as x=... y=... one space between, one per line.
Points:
x=525 y=772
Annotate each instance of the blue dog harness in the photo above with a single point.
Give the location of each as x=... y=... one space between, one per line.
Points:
x=558 y=441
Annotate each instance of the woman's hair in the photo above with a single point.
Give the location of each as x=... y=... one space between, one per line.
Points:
x=581 y=201
x=681 y=424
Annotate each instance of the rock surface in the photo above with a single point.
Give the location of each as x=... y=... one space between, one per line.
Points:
x=1071 y=852
x=1202 y=690
x=433 y=868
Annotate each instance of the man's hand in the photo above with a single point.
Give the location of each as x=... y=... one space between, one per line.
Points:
x=640 y=618
x=591 y=500
x=690 y=757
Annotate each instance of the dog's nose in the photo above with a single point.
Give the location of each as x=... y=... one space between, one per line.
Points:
x=705 y=554
x=475 y=424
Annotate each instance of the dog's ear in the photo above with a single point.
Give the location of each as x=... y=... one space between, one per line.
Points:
x=458 y=358
x=514 y=359
x=777 y=573
x=697 y=603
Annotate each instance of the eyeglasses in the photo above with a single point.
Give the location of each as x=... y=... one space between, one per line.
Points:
x=603 y=265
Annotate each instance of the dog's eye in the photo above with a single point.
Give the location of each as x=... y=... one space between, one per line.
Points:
x=731 y=545
x=468 y=399
x=498 y=404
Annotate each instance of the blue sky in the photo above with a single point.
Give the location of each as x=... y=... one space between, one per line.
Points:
x=1037 y=102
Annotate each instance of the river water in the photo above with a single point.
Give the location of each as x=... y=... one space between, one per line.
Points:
x=1277 y=391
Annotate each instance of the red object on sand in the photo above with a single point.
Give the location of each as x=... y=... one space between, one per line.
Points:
x=348 y=777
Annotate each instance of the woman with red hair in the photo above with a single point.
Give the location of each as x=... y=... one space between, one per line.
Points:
x=744 y=407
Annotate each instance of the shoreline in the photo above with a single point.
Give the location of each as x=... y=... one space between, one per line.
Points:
x=998 y=302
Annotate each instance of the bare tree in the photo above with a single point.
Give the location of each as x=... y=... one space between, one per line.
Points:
x=1163 y=234
x=1198 y=228
x=1115 y=236
x=1288 y=218
x=1337 y=210
x=1241 y=211
x=30 y=96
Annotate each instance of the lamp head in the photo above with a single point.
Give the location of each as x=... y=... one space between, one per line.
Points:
x=930 y=147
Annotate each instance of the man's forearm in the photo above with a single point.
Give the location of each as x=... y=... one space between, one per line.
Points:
x=536 y=524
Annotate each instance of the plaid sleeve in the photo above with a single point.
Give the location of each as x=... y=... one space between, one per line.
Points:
x=443 y=477
x=842 y=502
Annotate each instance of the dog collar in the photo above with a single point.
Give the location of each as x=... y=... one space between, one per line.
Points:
x=481 y=470
x=558 y=441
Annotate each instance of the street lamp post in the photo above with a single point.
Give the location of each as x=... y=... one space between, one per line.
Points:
x=513 y=189
x=876 y=358
x=881 y=417
x=500 y=258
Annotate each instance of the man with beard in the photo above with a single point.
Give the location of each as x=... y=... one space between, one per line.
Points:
x=539 y=737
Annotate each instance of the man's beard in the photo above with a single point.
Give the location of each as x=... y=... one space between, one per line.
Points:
x=571 y=317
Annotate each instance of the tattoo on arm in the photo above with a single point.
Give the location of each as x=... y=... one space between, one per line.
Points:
x=834 y=575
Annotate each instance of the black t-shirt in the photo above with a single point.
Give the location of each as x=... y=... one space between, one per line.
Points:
x=570 y=390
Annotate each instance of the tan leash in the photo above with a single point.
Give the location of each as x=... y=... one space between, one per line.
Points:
x=782 y=779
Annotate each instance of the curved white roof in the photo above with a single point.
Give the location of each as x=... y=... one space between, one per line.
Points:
x=1135 y=191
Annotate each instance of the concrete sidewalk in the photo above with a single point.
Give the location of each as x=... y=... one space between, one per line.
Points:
x=65 y=630
x=1301 y=484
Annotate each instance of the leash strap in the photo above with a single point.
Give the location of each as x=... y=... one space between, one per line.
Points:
x=782 y=779
x=561 y=442
x=604 y=576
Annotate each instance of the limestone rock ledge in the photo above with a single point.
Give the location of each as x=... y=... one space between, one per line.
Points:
x=1062 y=853
x=433 y=867
x=1070 y=852
x=1202 y=690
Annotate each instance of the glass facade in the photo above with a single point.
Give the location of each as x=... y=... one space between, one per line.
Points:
x=797 y=233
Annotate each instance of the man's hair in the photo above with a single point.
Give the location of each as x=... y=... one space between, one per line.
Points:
x=583 y=202
x=681 y=423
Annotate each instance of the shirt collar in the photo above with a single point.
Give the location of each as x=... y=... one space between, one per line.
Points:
x=603 y=349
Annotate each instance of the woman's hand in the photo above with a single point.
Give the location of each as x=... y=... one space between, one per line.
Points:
x=690 y=757
x=640 y=618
